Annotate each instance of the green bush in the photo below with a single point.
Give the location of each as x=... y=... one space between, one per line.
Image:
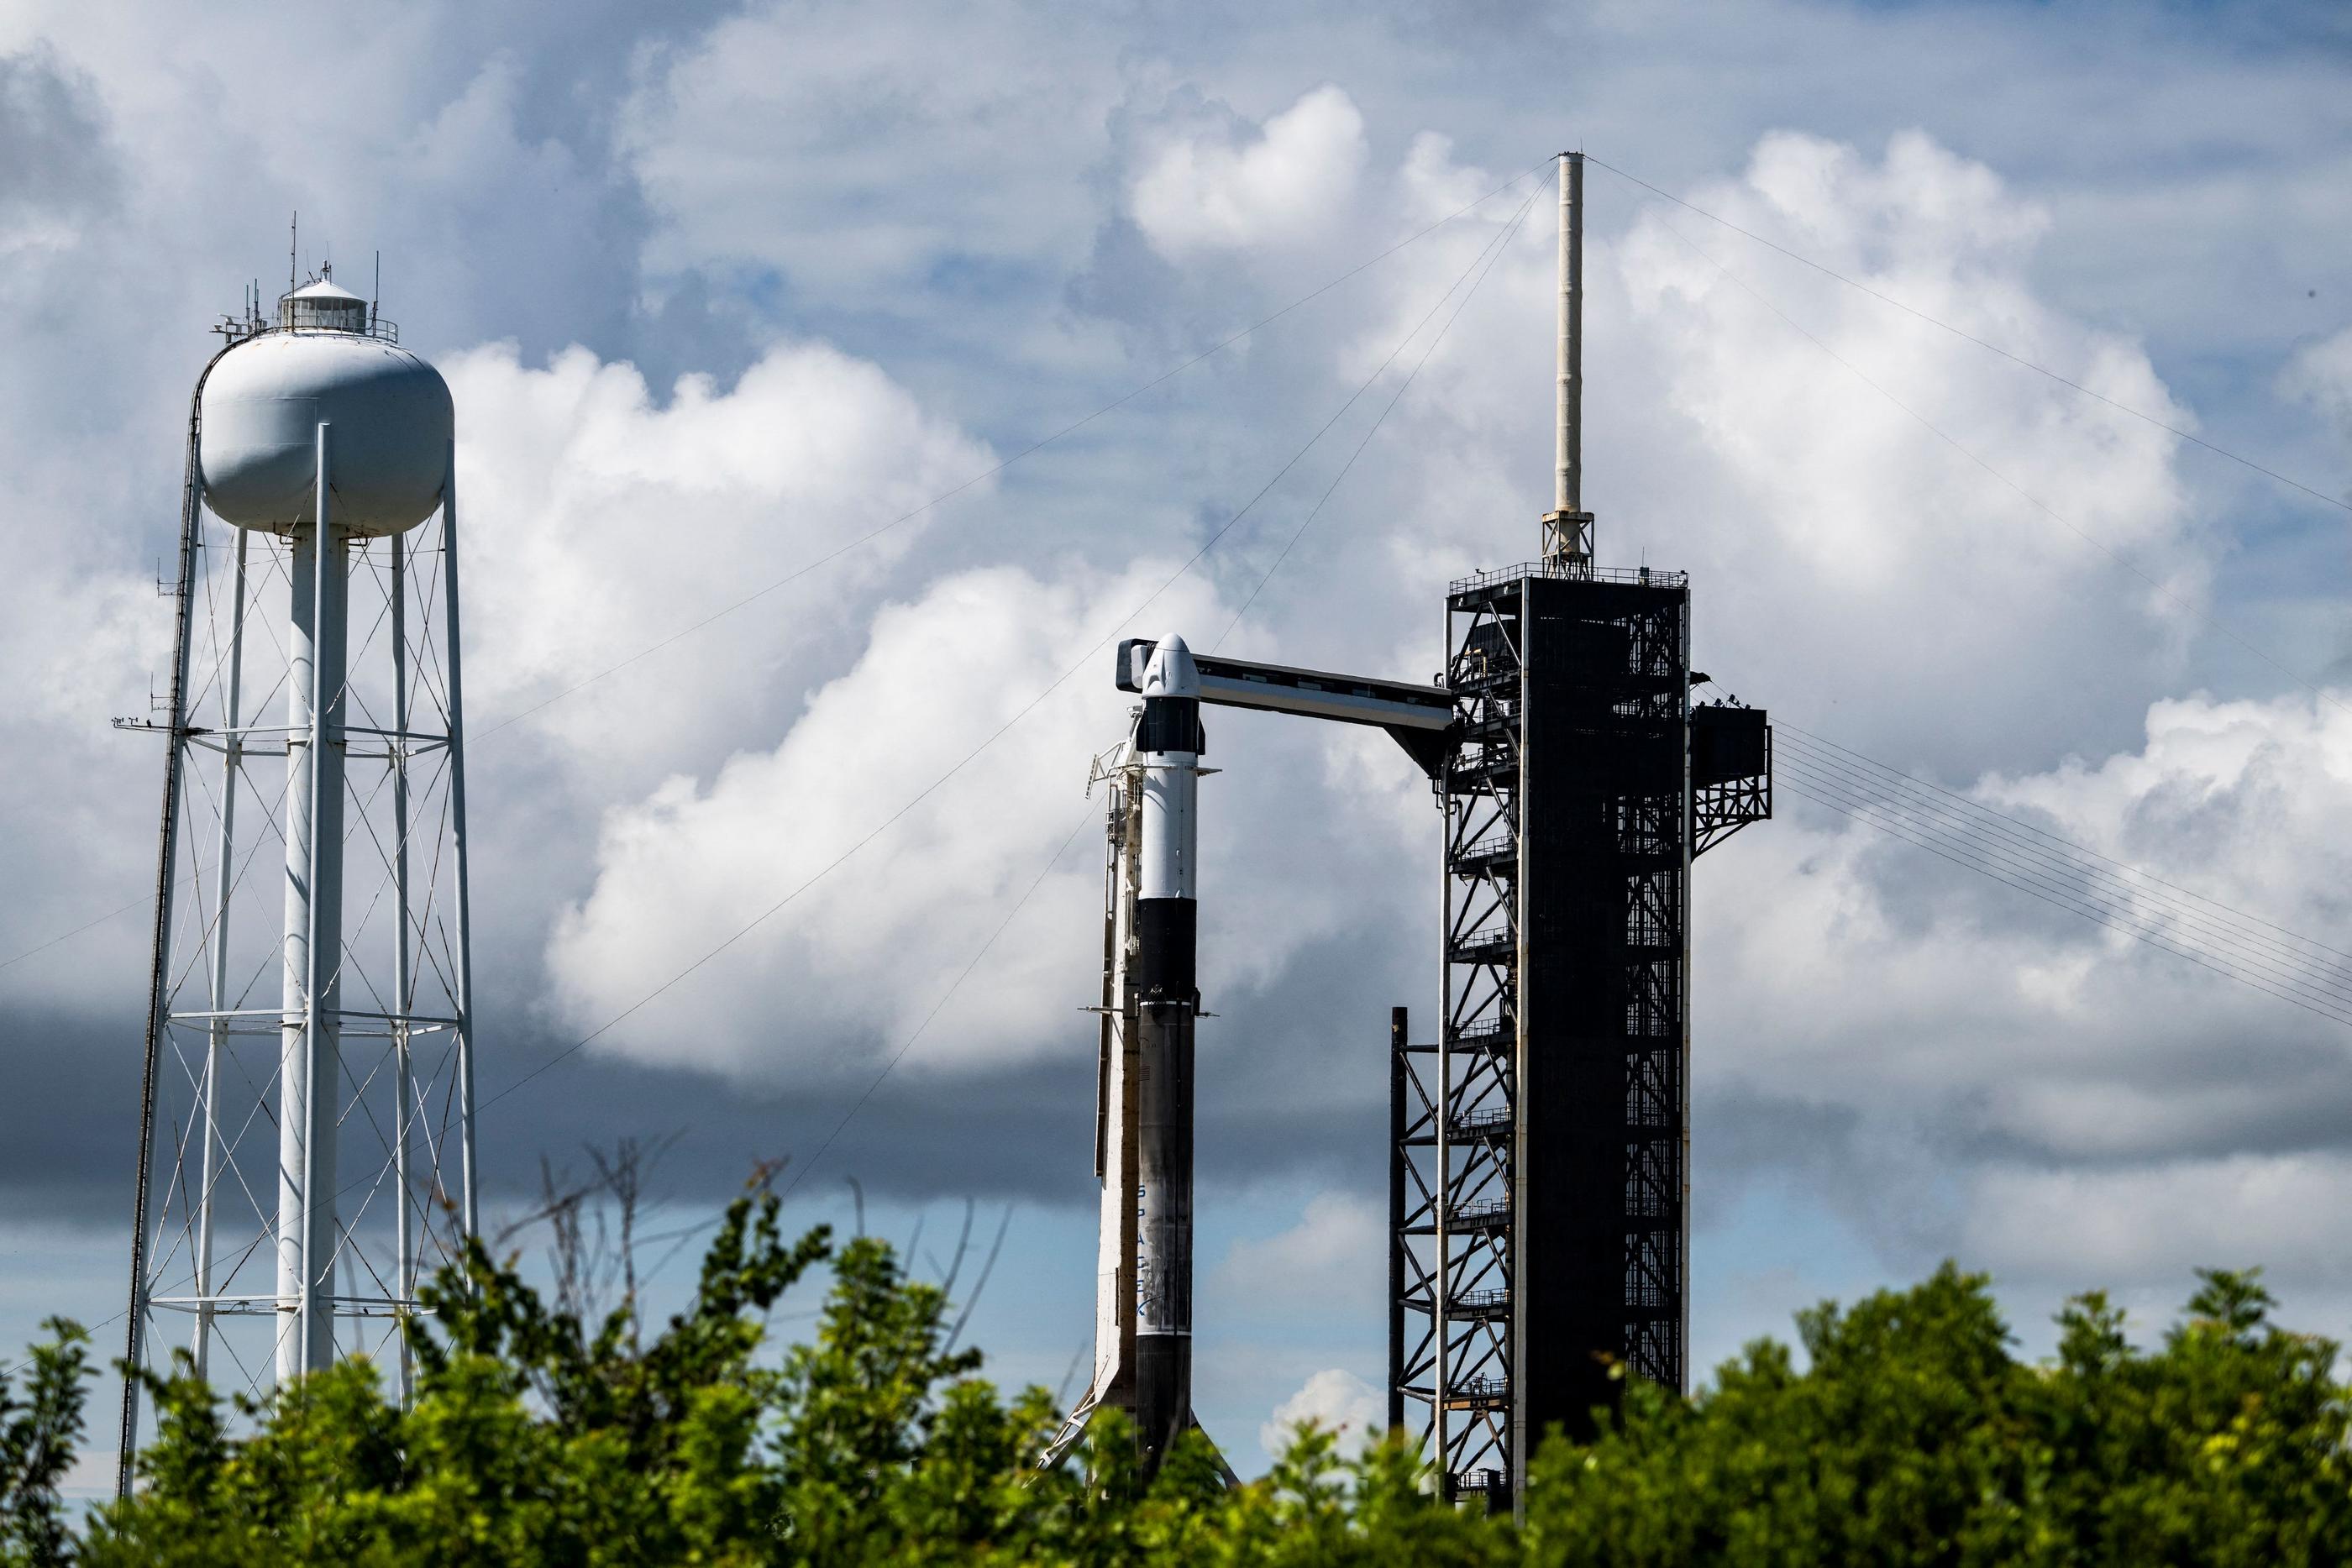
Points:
x=1913 y=1436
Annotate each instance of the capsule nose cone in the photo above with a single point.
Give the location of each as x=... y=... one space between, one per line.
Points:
x=1171 y=673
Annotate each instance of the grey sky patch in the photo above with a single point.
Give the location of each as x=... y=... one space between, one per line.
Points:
x=57 y=170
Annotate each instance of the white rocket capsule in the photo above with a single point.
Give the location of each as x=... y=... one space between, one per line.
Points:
x=1170 y=729
x=1171 y=672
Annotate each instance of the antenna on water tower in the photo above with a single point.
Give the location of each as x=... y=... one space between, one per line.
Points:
x=323 y=1127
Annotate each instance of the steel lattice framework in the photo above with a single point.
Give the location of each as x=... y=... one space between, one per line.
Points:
x=399 y=1186
x=1538 y=1174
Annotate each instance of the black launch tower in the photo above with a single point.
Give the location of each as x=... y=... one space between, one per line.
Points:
x=1540 y=1169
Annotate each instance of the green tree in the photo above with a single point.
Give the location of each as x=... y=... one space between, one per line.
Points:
x=37 y=1435
x=1909 y=1432
x=1914 y=1437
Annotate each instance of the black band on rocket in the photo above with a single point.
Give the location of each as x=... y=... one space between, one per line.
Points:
x=1171 y=723
x=1167 y=932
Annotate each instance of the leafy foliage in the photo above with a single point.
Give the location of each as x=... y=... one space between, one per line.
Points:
x=37 y=1435
x=1915 y=1437
x=1911 y=1435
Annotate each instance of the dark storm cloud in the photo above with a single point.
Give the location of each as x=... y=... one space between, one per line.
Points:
x=69 y=1130
x=1017 y=1135
x=72 y=1125
x=1296 y=1081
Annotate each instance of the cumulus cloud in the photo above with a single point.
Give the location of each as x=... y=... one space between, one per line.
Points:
x=2321 y=375
x=823 y=987
x=1981 y=1056
x=602 y=522
x=1334 y=1399
x=1215 y=190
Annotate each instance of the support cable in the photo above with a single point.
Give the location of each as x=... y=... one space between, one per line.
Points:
x=1782 y=724
x=2060 y=881
x=1861 y=811
x=1403 y=387
x=1023 y=712
x=1996 y=832
x=2200 y=617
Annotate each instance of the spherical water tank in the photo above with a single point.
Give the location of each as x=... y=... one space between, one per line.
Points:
x=258 y=433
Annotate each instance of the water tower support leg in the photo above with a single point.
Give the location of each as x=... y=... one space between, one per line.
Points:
x=200 y=1350
x=469 y=1201
x=309 y=1069
x=404 y=1278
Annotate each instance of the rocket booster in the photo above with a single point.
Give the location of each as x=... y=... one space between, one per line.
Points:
x=1144 y=1072
x=1168 y=746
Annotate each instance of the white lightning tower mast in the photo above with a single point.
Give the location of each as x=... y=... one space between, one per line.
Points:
x=304 y=1157
x=1568 y=526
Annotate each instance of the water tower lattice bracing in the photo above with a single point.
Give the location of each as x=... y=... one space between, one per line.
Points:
x=306 y=1141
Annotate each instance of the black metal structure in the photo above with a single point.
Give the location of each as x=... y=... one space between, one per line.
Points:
x=1540 y=1161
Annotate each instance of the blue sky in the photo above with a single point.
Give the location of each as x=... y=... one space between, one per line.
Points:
x=719 y=287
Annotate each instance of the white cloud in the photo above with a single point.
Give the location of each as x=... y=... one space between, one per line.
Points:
x=980 y=128
x=1337 y=1251
x=832 y=980
x=1215 y=191
x=598 y=524
x=1335 y=1399
x=2321 y=374
x=1853 y=569
x=2095 y=1227
x=2000 y=1055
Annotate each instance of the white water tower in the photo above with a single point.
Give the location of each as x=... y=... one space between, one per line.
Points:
x=307 y=1142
